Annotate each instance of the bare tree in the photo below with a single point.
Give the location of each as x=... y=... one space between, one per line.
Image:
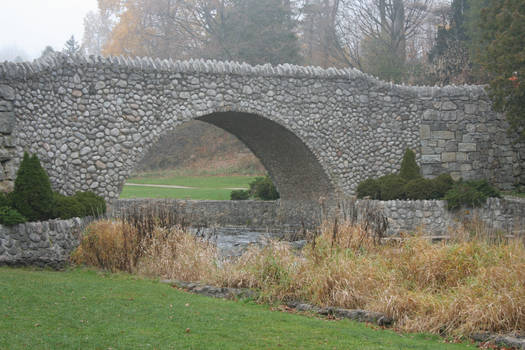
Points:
x=97 y=31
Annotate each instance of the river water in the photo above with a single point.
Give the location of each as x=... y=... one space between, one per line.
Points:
x=232 y=241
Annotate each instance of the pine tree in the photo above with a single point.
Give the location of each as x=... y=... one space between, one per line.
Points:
x=71 y=47
x=32 y=195
x=503 y=28
x=409 y=168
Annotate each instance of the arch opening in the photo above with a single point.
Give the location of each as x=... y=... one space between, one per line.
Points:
x=296 y=172
x=293 y=168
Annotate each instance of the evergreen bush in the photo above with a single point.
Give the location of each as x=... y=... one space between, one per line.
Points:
x=10 y=216
x=392 y=187
x=32 y=196
x=66 y=207
x=369 y=188
x=409 y=168
x=80 y=205
x=420 y=189
x=5 y=201
x=472 y=194
x=263 y=188
x=92 y=204
x=239 y=195
x=442 y=184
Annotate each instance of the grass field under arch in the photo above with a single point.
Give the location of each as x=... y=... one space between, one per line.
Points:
x=86 y=309
x=216 y=187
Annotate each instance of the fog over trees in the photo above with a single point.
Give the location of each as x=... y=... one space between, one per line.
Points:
x=421 y=42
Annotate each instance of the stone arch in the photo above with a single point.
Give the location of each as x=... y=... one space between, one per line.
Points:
x=293 y=167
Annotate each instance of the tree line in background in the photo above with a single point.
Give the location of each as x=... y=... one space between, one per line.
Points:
x=422 y=42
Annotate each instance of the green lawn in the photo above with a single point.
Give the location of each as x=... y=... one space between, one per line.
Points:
x=154 y=192
x=207 y=187
x=85 y=309
x=197 y=181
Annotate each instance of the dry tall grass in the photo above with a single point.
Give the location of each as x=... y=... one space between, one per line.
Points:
x=455 y=288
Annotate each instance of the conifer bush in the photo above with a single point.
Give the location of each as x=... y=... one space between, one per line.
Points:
x=409 y=168
x=32 y=196
x=392 y=187
x=441 y=185
x=263 y=188
x=92 y=204
x=420 y=189
x=66 y=207
x=239 y=195
x=369 y=188
x=10 y=217
x=473 y=193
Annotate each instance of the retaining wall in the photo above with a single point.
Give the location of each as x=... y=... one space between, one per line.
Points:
x=505 y=214
x=46 y=243
x=50 y=243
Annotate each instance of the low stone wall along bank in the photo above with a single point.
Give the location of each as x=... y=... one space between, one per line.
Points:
x=47 y=243
x=506 y=215
x=502 y=214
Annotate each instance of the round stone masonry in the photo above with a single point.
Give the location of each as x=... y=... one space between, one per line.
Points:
x=318 y=132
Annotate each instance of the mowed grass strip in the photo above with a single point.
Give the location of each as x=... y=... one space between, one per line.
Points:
x=85 y=309
x=216 y=182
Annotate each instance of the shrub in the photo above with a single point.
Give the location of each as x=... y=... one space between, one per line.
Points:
x=419 y=189
x=442 y=184
x=92 y=204
x=239 y=195
x=5 y=201
x=472 y=193
x=263 y=188
x=392 y=187
x=66 y=207
x=80 y=205
x=10 y=217
x=32 y=196
x=409 y=168
x=369 y=188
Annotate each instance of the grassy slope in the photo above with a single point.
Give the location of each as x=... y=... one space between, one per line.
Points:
x=83 y=309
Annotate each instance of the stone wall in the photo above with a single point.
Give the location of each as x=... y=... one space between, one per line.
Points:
x=47 y=243
x=317 y=131
x=205 y=212
x=50 y=243
x=432 y=216
x=8 y=153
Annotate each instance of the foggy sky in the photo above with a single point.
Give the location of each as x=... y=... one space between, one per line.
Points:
x=28 y=26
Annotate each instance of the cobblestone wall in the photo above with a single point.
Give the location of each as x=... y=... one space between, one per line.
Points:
x=433 y=218
x=317 y=131
x=47 y=243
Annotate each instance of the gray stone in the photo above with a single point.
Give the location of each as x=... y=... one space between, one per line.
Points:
x=424 y=132
x=467 y=147
x=448 y=156
x=7 y=122
x=6 y=106
x=7 y=92
x=430 y=158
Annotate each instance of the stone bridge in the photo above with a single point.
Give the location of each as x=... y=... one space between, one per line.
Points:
x=318 y=132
